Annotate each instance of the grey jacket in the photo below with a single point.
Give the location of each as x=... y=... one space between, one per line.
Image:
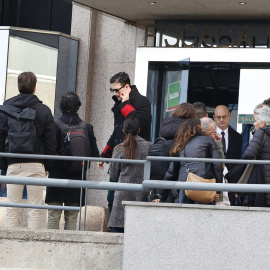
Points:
x=127 y=173
x=197 y=147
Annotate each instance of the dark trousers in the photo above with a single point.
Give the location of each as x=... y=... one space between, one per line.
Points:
x=110 y=198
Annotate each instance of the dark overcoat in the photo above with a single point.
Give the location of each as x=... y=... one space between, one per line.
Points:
x=253 y=151
x=56 y=194
x=137 y=106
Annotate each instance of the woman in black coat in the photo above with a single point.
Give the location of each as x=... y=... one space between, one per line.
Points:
x=168 y=131
x=259 y=148
x=193 y=143
x=171 y=125
x=69 y=105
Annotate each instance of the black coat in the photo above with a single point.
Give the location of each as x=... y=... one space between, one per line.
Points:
x=197 y=147
x=170 y=127
x=45 y=129
x=69 y=194
x=137 y=106
x=253 y=151
x=234 y=150
x=168 y=130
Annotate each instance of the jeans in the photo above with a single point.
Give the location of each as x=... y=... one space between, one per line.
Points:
x=184 y=199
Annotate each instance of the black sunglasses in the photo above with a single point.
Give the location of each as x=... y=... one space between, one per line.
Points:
x=117 y=90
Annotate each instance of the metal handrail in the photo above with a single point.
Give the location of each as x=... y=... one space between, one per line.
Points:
x=146 y=184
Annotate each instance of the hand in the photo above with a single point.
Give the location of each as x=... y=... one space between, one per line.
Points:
x=46 y=173
x=156 y=200
x=125 y=94
x=100 y=165
x=217 y=137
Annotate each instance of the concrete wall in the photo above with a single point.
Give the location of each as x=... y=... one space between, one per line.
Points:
x=108 y=46
x=29 y=249
x=174 y=236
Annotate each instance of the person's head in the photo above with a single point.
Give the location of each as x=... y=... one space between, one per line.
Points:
x=222 y=116
x=266 y=102
x=70 y=102
x=131 y=128
x=262 y=117
x=27 y=83
x=200 y=109
x=119 y=82
x=209 y=126
x=184 y=111
x=187 y=130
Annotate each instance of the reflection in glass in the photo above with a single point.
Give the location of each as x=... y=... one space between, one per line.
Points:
x=25 y=55
x=160 y=76
x=3 y=63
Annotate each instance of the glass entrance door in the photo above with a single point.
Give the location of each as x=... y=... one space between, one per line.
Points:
x=167 y=87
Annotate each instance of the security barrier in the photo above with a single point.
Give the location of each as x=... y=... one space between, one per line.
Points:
x=146 y=184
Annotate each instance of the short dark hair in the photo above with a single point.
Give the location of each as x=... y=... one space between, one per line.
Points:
x=267 y=102
x=121 y=78
x=27 y=82
x=185 y=111
x=70 y=102
x=200 y=109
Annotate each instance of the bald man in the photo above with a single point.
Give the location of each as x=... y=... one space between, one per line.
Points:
x=231 y=140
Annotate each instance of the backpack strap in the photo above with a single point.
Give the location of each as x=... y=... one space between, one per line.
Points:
x=63 y=125
x=60 y=124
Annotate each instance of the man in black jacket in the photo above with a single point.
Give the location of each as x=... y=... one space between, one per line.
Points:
x=45 y=145
x=231 y=139
x=128 y=102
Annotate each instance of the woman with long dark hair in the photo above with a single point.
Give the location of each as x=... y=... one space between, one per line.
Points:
x=192 y=142
x=134 y=147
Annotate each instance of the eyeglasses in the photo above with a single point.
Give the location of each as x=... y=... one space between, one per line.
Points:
x=221 y=117
x=116 y=90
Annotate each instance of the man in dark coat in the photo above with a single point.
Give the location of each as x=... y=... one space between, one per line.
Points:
x=231 y=139
x=128 y=102
x=69 y=105
x=45 y=145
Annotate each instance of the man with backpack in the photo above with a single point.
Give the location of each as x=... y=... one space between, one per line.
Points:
x=27 y=127
x=74 y=138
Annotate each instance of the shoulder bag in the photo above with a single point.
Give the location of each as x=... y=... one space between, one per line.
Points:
x=202 y=196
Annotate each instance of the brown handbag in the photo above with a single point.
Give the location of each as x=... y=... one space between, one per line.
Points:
x=202 y=196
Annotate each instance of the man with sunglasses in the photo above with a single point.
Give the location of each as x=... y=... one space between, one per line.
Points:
x=231 y=139
x=128 y=102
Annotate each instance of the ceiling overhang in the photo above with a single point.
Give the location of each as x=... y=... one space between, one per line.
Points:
x=131 y=10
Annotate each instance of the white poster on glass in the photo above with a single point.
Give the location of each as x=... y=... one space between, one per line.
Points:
x=4 y=34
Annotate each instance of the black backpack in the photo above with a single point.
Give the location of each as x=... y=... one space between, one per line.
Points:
x=74 y=142
x=22 y=133
x=161 y=147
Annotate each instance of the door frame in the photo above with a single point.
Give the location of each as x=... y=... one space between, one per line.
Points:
x=144 y=55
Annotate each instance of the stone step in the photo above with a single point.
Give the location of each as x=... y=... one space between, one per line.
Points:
x=96 y=217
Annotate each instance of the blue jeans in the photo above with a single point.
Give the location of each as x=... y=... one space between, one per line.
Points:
x=184 y=199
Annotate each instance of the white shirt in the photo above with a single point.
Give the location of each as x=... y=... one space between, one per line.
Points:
x=226 y=135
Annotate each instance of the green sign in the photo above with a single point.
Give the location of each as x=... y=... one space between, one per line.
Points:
x=174 y=91
x=246 y=119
